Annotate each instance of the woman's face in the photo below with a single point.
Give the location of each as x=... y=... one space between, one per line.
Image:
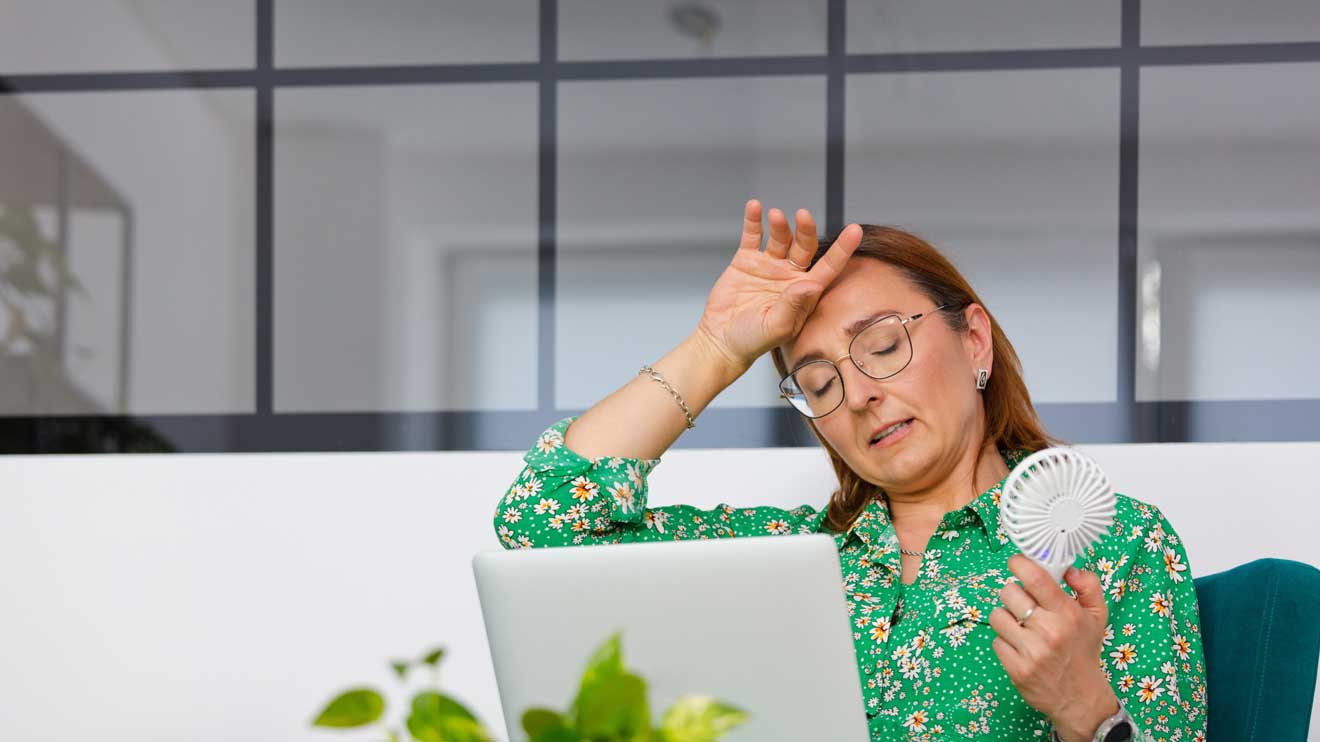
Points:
x=936 y=391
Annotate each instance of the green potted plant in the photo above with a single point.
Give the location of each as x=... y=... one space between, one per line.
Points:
x=610 y=706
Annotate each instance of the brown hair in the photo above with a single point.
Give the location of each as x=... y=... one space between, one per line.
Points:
x=1011 y=420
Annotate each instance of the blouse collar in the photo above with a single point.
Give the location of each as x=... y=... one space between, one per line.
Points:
x=875 y=529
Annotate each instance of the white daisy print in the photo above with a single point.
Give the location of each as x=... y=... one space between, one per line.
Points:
x=657 y=520
x=1174 y=564
x=916 y=721
x=1150 y=688
x=1124 y=655
x=549 y=441
x=584 y=489
x=624 y=496
x=1159 y=604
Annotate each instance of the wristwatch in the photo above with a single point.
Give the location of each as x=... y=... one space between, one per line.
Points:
x=1120 y=727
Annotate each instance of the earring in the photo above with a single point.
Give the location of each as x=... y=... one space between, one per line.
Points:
x=982 y=376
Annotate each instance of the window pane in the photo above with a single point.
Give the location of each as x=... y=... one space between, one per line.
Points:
x=1228 y=21
x=78 y=36
x=1230 y=233
x=652 y=181
x=1014 y=175
x=147 y=196
x=405 y=248
x=642 y=29
x=329 y=33
x=893 y=26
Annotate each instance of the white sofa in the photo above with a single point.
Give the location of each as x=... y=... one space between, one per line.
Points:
x=224 y=596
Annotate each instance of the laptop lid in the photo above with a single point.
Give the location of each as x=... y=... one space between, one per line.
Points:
x=760 y=623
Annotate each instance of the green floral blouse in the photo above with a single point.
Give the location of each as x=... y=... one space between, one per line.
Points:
x=923 y=650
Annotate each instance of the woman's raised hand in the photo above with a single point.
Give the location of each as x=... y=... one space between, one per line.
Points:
x=762 y=299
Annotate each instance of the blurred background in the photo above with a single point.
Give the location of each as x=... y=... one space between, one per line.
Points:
x=244 y=227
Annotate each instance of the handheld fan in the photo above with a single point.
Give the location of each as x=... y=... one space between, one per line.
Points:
x=1054 y=504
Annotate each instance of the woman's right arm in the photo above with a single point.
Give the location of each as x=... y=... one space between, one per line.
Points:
x=758 y=302
x=562 y=498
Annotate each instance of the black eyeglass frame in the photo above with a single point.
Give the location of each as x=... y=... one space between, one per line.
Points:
x=783 y=393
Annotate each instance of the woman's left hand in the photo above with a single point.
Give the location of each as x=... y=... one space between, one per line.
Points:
x=1053 y=657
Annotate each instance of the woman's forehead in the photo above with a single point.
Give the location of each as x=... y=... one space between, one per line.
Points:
x=865 y=281
x=866 y=288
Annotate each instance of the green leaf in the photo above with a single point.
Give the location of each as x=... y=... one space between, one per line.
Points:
x=432 y=658
x=464 y=730
x=611 y=703
x=544 y=725
x=614 y=708
x=400 y=668
x=699 y=719
x=605 y=664
x=436 y=717
x=556 y=734
x=352 y=708
x=607 y=660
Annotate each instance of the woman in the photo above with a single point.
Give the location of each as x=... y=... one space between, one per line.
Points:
x=917 y=395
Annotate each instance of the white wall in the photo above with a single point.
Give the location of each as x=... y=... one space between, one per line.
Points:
x=215 y=597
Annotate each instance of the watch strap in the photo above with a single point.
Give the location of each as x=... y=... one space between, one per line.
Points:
x=1121 y=725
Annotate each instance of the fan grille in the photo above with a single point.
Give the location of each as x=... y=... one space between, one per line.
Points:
x=1056 y=503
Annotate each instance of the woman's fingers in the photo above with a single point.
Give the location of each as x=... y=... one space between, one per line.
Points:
x=1008 y=629
x=1037 y=582
x=1007 y=618
x=1009 y=657
x=805 y=243
x=751 y=231
x=790 y=311
x=1090 y=593
x=1016 y=600
x=781 y=235
x=832 y=263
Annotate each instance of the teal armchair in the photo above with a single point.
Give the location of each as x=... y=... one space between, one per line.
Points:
x=1260 y=624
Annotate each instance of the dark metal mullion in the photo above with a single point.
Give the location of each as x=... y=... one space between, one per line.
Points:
x=547 y=204
x=665 y=69
x=1129 y=93
x=1213 y=54
x=407 y=74
x=835 y=110
x=62 y=82
x=511 y=430
x=974 y=61
x=265 y=207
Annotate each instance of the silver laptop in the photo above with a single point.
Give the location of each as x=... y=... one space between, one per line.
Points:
x=760 y=623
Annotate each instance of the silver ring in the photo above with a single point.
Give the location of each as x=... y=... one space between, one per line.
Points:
x=1023 y=621
x=794 y=264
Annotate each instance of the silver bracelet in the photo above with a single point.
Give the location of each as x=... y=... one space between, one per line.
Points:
x=677 y=397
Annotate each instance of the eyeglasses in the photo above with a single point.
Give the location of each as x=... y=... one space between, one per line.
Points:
x=879 y=350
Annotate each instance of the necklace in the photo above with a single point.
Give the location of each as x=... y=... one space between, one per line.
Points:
x=901 y=550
